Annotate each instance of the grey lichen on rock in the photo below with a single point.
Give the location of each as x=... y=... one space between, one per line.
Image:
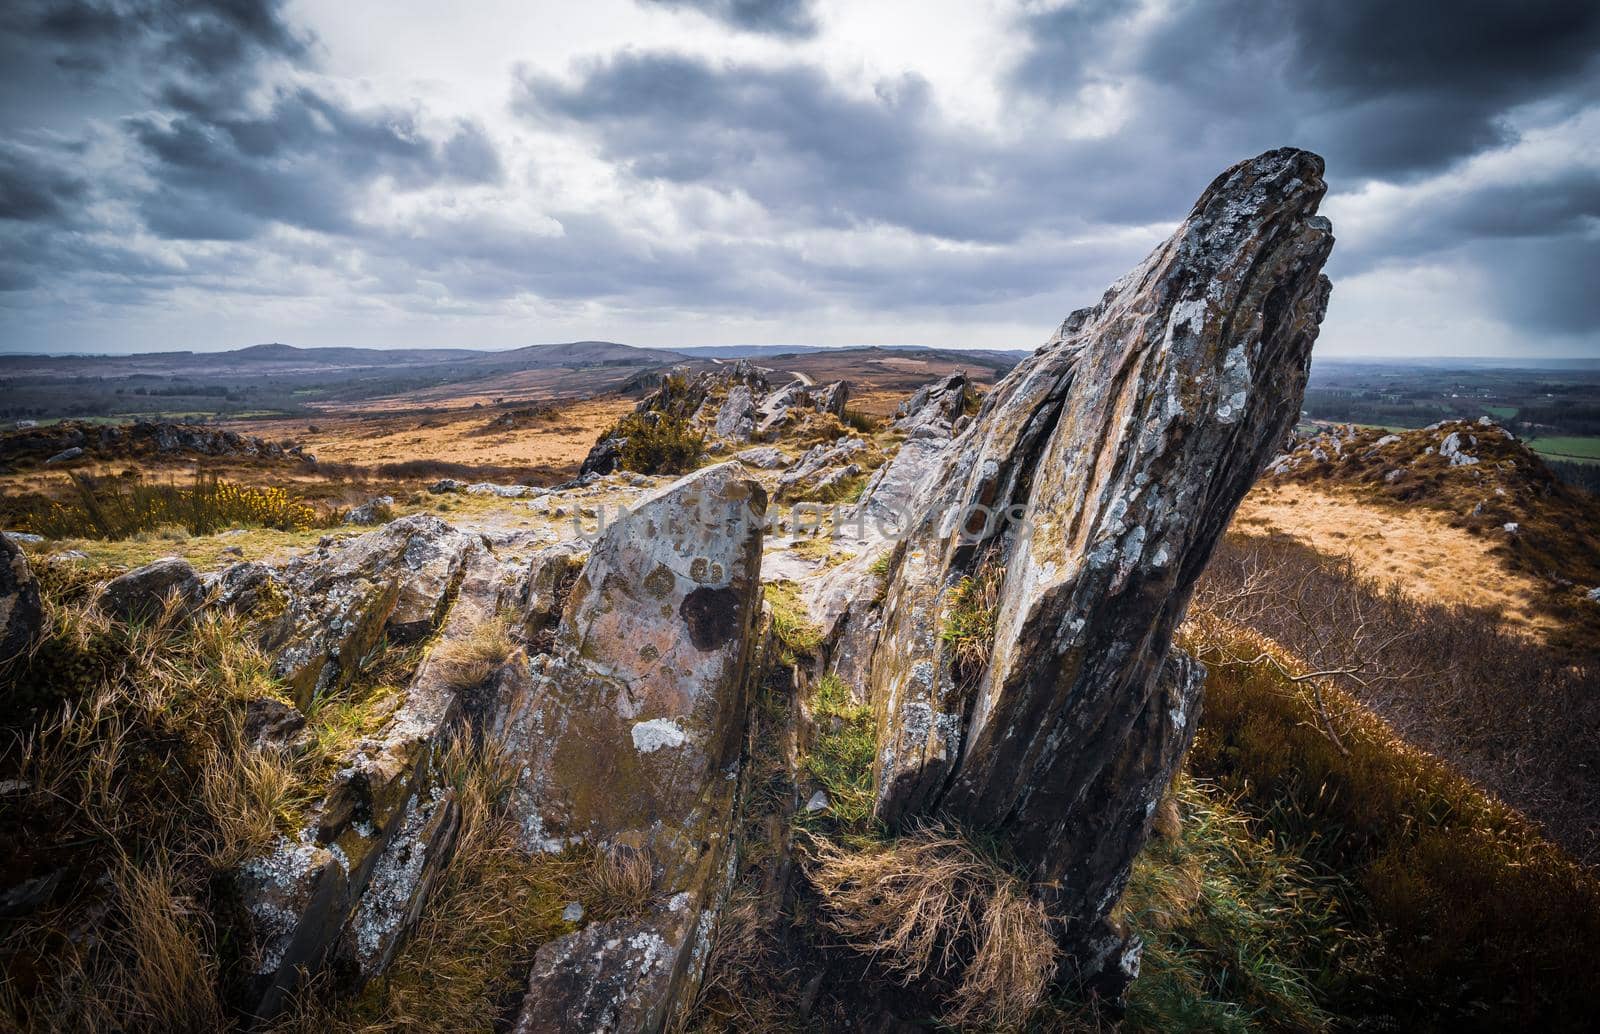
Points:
x=1096 y=479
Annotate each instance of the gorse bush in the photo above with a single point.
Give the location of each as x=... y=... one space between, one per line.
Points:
x=122 y=508
x=659 y=443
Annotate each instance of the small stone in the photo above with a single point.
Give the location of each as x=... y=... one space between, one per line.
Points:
x=818 y=802
x=26 y=537
x=65 y=455
x=1512 y=527
x=573 y=913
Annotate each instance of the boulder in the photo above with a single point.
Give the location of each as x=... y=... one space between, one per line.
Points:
x=764 y=457
x=1092 y=486
x=832 y=398
x=141 y=594
x=21 y=611
x=631 y=731
x=373 y=511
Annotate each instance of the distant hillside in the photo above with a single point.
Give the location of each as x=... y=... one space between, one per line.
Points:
x=1483 y=480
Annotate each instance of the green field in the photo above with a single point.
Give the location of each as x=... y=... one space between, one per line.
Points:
x=1567 y=448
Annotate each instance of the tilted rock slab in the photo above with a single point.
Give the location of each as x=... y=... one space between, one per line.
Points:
x=631 y=730
x=351 y=883
x=21 y=611
x=1111 y=461
x=343 y=598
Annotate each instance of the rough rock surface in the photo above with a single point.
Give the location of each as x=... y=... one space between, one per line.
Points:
x=141 y=594
x=343 y=596
x=1110 y=461
x=820 y=463
x=631 y=730
x=21 y=613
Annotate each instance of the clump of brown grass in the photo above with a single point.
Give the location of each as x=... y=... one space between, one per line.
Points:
x=468 y=662
x=930 y=906
x=139 y=788
x=618 y=881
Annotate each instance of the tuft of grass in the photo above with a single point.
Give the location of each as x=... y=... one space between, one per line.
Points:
x=138 y=788
x=841 y=751
x=969 y=621
x=467 y=662
x=1239 y=933
x=791 y=622
x=860 y=422
x=616 y=881
x=928 y=906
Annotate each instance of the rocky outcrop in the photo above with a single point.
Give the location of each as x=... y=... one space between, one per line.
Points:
x=822 y=465
x=69 y=440
x=631 y=730
x=21 y=612
x=1092 y=486
x=933 y=408
x=731 y=405
x=928 y=418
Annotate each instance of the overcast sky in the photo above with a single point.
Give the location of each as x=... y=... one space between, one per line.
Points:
x=679 y=172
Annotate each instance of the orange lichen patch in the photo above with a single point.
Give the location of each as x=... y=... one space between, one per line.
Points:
x=1418 y=547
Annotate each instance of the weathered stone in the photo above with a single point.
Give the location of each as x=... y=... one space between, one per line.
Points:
x=342 y=599
x=269 y=722
x=1095 y=481
x=243 y=587
x=373 y=511
x=764 y=457
x=820 y=462
x=141 y=594
x=832 y=398
x=631 y=731
x=65 y=456
x=21 y=611
x=934 y=408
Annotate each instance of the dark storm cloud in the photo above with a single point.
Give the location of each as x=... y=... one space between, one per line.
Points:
x=305 y=161
x=33 y=188
x=212 y=163
x=791 y=18
x=1387 y=89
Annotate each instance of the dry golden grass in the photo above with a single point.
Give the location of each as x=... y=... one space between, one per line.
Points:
x=1418 y=547
x=138 y=785
x=618 y=881
x=469 y=661
x=561 y=441
x=930 y=906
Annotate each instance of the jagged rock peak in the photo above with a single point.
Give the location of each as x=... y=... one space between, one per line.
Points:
x=1090 y=490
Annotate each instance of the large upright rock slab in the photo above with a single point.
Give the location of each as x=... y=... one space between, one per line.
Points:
x=21 y=611
x=631 y=732
x=1094 y=482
